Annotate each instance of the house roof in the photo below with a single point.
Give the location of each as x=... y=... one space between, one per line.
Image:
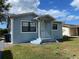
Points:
x=44 y=17
x=57 y=22
x=23 y=14
x=40 y=17
x=70 y=25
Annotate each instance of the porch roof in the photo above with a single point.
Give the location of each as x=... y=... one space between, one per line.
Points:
x=45 y=17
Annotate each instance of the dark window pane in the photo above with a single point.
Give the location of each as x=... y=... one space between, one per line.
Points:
x=33 y=27
x=24 y=29
x=28 y=26
x=24 y=23
x=54 y=26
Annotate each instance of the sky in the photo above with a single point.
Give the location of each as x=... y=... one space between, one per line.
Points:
x=63 y=10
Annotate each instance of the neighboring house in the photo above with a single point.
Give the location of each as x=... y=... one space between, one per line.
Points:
x=29 y=26
x=70 y=30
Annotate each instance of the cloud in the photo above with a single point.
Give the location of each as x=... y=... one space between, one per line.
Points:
x=72 y=17
x=75 y=3
x=21 y=6
x=53 y=12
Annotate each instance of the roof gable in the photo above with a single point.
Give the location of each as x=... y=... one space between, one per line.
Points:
x=46 y=17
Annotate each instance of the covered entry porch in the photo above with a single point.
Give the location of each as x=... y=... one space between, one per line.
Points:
x=44 y=29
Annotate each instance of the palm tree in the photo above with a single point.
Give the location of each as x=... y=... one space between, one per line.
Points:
x=3 y=7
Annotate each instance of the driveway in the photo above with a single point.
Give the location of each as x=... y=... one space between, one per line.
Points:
x=1 y=48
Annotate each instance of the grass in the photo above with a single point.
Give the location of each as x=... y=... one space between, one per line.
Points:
x=62 y=50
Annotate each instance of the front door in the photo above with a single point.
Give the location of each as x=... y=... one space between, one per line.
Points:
x=46 y=29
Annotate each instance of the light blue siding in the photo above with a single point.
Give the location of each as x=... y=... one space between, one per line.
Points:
x=18 y=36
x=57 y=34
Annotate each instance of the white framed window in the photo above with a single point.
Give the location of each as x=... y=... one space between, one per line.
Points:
x=55 y=26
x=28 y=26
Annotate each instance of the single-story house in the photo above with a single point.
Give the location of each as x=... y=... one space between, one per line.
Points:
x=70 y=30
x=30 y=26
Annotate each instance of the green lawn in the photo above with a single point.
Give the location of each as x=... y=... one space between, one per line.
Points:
x=62 y=50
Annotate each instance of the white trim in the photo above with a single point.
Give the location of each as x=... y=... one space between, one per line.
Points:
x=12 y=30
x=46 y=38
x=21 y=27
x=39 y=31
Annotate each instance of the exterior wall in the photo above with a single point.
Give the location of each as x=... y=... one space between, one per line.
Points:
x=73 y=31
x=46 y=30
x=57 y=34
x=66 y=31
x=18 y=36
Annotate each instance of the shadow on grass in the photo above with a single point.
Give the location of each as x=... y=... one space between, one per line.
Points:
x=66 y=38
x=7 y=54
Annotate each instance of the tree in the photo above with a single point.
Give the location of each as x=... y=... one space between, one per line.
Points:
x=3 y=32
x=3 y=7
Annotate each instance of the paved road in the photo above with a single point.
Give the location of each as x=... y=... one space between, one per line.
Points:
x=1 y=48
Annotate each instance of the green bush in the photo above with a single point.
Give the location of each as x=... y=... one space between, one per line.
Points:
x=3 y=32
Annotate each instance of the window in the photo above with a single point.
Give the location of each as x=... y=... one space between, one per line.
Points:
x=28 y=26
x=54 y=26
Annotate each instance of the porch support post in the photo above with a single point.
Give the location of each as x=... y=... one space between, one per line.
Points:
x=11 y=30
x=38 y=40
x=39 y=29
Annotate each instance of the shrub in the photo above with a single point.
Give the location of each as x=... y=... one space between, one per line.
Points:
x=3 y=32
x=65 y=38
